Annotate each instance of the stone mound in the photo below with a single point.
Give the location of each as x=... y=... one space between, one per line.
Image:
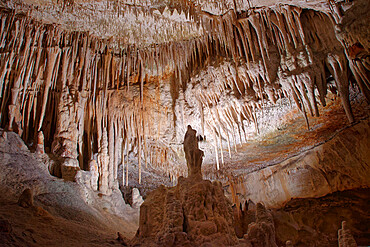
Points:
x=193 y=213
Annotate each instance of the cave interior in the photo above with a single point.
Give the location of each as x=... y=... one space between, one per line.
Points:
x=184 y=123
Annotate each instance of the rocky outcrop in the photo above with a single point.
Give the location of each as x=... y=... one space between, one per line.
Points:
x=341 y=163
x=26 y=199
x=262 y=231
x=44 y=195
x=345 y=238
x=193 y=213
x=137 y=199
x=315 y=221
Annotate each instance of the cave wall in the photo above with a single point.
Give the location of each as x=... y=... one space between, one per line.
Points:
x=339 y=164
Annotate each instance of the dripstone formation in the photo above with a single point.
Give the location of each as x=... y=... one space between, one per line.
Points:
x=193 y=213
x=193 y=154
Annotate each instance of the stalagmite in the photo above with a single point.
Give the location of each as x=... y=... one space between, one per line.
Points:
x=345 y=238
x=126 y=148
x=93 y=168
x=40 y=143
x=103 y=161
x=139 y=153
x=193 y=154
x=123 y=148
x=216 y=149
x=111 y=149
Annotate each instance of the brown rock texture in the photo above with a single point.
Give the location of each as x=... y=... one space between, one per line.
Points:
x=194 y=213
x=345 y=238
x=262 y=232
x=315 y=221
x=26 y=199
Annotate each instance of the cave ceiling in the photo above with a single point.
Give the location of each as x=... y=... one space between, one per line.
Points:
x=144 y=23
x=118 y=81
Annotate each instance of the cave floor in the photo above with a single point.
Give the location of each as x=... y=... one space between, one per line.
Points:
x=35 y=227
x=62 y=215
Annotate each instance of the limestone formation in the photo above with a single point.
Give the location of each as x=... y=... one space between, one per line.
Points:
x=103 y=161
x=26 y=199
x=137 y=200
x=215 y=68
x=69 y=169
x=345 y=238
x=40 y=143
x=193 y=154
x=262 y=232
x=3 y=136
x=93 y=168
x=193 y=213
x=105 y=90
x=243 y=217
x=15 y=119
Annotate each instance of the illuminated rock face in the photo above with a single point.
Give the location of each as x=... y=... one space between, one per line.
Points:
x=108 y=88
x=83 y=91
x=337 y=165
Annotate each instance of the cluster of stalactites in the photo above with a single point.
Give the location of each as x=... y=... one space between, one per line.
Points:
x=275 y=39
x=121 y=22
x=62 y=83
x=272 y=57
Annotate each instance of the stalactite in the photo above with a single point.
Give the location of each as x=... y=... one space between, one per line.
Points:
x=91 y=68
x=298 y=99
x=228 y=144
x=302 y=91
x=53 y=53
x=216 y=149
x=339 y=71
